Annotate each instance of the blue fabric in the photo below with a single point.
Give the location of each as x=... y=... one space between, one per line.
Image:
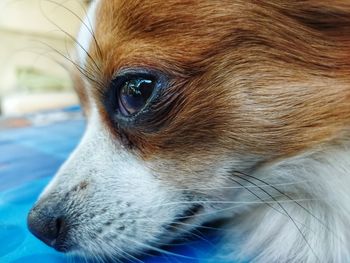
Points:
x=29 y=157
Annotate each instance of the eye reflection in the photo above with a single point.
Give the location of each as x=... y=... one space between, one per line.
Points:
x=134 y=94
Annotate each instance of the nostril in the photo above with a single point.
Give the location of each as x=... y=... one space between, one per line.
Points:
x=59 y=226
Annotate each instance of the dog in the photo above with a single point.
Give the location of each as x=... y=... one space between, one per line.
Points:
x=206 y=110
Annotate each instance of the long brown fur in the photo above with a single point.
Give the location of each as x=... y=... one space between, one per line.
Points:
x=282 y=66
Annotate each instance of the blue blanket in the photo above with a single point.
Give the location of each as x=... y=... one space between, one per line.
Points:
x=29 y=157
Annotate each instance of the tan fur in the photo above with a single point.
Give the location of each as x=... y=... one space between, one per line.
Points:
x=268 y=78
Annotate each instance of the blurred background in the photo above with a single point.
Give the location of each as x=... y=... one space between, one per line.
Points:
x=33 y=76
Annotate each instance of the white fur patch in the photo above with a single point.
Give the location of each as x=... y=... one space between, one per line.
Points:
x=320 y=233
x=86 y=32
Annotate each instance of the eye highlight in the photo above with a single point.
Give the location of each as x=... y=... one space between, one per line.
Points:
x=134 y=94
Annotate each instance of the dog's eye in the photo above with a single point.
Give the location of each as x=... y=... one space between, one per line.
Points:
x=134 y=93
x=134 y=96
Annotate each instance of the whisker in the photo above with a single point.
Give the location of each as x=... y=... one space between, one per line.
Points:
x=193 y=232
x=69 y=35
x=287 y=213
x=290 y=198
x=161 y=250
x=67 y=57
x=119 y=251
x=83 y=71
x=90 y=29
x=232 y=187
x=261 y=201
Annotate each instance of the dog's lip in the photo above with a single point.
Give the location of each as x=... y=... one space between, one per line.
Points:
x=186 y=216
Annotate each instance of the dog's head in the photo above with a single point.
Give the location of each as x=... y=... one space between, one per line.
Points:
x=178 y=95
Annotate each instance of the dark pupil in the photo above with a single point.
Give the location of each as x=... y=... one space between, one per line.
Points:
x=134 y=95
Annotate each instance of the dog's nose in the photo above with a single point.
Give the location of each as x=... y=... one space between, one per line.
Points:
x=50 y=229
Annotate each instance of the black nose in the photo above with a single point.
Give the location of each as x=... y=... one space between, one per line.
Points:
x=50 y=229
